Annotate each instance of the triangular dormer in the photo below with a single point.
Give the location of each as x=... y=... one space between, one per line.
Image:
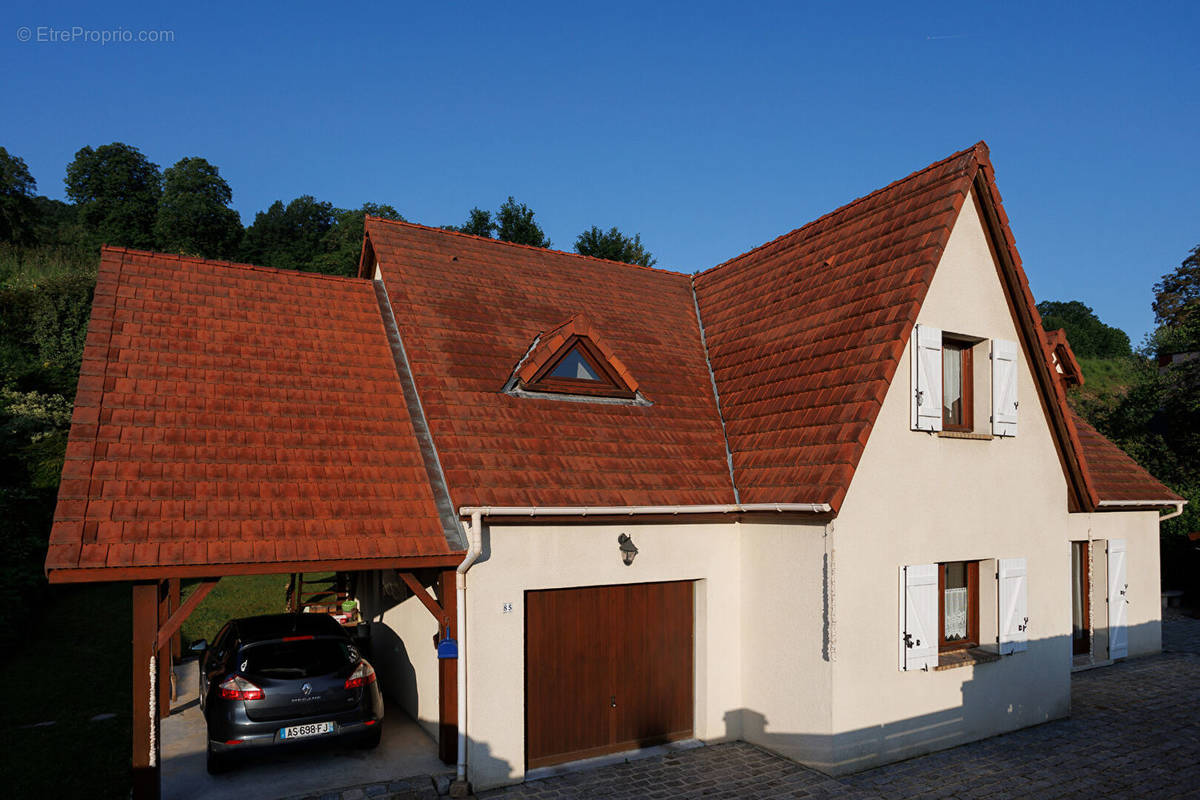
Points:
x=573 y=360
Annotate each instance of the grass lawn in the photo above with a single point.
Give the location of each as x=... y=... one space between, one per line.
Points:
x=74 y=666
x=1107 y=376
x=241 y=596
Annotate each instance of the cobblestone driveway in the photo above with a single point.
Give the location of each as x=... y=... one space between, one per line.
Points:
x=1134 y=731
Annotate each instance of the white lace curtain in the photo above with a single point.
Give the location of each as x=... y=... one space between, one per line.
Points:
x=956 y=614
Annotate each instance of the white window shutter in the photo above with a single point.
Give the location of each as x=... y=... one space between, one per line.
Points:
x=1014 y=605
x=1004 y=387
x=1118 y=600
x=926 y=360
x=918 y=617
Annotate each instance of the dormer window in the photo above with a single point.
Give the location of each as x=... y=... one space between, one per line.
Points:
x=574 y=366
x=573 y=361
x=578 y=367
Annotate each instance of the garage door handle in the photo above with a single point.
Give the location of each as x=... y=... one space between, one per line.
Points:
x=613 y=701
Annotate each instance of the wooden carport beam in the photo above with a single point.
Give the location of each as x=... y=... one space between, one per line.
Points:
x=174 y=598
x=430 y=603
x=176 y=620
x=164 y=652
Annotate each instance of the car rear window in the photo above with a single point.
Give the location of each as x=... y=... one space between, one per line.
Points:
x=305 y=658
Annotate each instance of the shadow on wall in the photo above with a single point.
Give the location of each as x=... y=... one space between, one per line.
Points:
x=1016 y=691
x=390 y=652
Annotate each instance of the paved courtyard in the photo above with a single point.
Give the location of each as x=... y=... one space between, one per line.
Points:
x=1134 y=731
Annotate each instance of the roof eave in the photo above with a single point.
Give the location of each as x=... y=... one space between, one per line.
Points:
x=163 y=572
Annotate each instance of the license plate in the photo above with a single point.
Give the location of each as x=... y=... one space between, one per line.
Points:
x=301 y=731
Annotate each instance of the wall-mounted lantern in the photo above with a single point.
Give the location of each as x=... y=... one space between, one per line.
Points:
x=628 y=549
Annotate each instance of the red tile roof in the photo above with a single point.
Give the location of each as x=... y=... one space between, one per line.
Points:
x=1113 y=476
x=469 y=308
x=804 y=333
x=234 y=415
x=1110 y=474
x=229 y=414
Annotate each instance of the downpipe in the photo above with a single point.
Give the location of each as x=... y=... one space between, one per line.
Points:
x=474 y=547
x=1173 y=514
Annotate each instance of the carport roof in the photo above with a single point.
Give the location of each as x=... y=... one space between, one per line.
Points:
x=232 y=418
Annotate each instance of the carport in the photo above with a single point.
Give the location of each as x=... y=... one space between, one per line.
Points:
x=234 y=420
x=158 y=615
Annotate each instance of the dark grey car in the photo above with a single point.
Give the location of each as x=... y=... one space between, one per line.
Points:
x=285 y=679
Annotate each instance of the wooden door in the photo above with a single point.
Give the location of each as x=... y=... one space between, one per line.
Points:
x=607 y=668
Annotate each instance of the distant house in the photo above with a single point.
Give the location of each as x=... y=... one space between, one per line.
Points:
x=827 y=497
x=1168 y=360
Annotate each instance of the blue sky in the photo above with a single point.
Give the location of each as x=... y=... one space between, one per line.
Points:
x=707 y=128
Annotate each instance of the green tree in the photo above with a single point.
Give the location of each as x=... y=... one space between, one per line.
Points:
x=58 y=223
x=1177 y=295
x=18 y=213
x=1155 y=416
x=479 y=223
x=342 y=244
x=289 y=237
x=613 y=245
x=514 y=223
x=1177 y=308
x=1089 y=337
x=117 y=191
x=194 y=216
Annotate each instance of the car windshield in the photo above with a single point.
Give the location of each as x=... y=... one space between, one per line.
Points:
x=304 y=658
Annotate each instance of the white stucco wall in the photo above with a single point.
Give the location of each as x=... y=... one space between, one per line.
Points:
x=1139 y=529
x=920 y=498
x=788 y=640
x=739 y=611
x=517 y=558
x=403 y=653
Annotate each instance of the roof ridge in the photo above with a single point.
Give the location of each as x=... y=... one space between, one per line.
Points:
x=436 y=229
x=973 y=149
x=216 y=262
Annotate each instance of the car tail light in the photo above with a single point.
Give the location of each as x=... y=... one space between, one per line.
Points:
x=363 y=675
x=298 y=638
x=235 y=687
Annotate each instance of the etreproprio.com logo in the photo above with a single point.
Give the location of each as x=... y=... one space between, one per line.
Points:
x=77 y=34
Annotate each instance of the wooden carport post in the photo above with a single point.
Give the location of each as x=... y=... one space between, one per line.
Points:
x=448 y=673
x=146 y=768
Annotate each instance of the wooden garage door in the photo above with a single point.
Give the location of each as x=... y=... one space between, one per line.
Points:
x=607 y=668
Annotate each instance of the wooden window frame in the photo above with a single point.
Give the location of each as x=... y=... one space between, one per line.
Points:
x=972 y=638
x=1083 y=646
x=966 y=347
x=609 y=384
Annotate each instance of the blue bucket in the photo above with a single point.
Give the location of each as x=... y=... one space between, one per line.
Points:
x=447 y=647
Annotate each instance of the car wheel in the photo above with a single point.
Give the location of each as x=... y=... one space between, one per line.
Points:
x=217 y=762
x=371 y=739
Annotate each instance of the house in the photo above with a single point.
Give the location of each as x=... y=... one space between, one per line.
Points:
x=827 y=497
